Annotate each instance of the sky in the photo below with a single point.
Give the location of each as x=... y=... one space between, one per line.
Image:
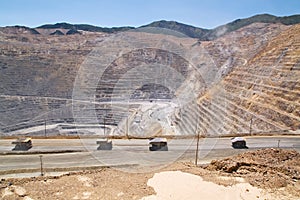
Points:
x=114 y=13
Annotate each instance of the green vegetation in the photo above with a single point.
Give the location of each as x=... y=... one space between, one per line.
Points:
x=190 y=31
x=187 y=30
x=85 y=27
x=240 y=23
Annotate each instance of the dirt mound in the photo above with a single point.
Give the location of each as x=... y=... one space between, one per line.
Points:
x=264 y=168
x=276 y=171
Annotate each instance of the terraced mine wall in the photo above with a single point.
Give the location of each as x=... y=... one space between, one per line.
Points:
x=257 y=91
x=263 y=94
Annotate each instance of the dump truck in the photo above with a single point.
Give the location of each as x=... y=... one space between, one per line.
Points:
x=238 y=143
x=158 y=144
x=104 y=144
x=22 y=144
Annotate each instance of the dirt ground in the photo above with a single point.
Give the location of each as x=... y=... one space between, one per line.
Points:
x=277 y=171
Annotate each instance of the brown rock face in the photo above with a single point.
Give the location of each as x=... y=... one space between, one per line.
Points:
x=256 y=84
x=261 y=94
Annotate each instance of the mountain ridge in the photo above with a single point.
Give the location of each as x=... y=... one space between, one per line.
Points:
x=84 y=27
x=256 y=69
x=260 y=18
x=188 y=30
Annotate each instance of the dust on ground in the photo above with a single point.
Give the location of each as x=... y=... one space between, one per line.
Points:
x=276 y=171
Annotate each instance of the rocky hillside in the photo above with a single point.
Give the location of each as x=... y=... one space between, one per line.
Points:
x=188 y=30
x=256 y=88
x=37 y=75
x=84 y=27
x=211 y=34
x=240 y=23
x=261 y=95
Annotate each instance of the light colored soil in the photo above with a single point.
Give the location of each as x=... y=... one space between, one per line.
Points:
x=100 y=184
x=177 y=185
x=272 y=173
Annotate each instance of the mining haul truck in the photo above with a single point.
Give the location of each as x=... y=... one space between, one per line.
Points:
x=158 y=144
x=22 y=144
x=238 y=143
x=104 y=144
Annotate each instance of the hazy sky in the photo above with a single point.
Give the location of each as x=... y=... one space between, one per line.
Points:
x=201 y=13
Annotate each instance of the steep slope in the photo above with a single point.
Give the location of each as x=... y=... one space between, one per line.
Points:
x=211 y=34
x=37 y=73
x=261 y=89
x=239 y=46
x=260 y=96
x=187 y=30
x=240 y=23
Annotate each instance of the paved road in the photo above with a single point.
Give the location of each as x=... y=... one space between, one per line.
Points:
x=129 y=152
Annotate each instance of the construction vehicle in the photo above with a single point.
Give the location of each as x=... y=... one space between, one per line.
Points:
x=22 y=144
x=104 y=144
x=158 y=144
x=238 y=143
